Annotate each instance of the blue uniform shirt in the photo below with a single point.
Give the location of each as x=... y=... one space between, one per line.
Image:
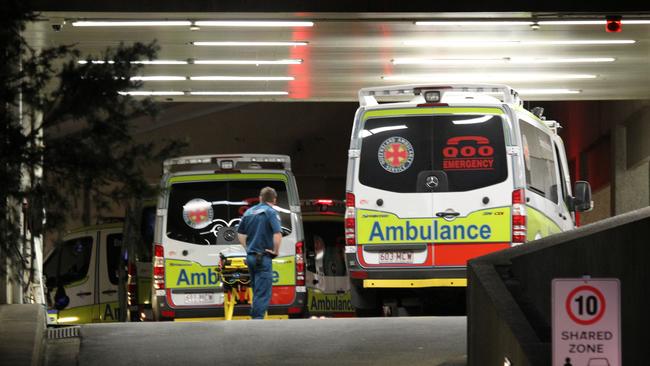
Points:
x=259 y=223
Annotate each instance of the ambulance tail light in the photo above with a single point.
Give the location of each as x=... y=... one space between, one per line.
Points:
x=159 y=267
x=132 y=284
x=519 y=229
x=350 y=223
x=168 y=314
x=300 y=264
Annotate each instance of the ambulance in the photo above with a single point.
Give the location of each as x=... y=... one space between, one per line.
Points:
x=438 y=175
x=135 y=296
x=203 y=199
x=82 y=276
x=328 y=287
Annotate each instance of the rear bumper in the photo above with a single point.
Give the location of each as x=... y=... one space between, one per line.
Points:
x=161 y=306
x=406 y=277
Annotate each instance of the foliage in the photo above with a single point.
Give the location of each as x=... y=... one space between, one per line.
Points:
x=67 y=120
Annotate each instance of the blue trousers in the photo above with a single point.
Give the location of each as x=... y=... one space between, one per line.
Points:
x=262 y=283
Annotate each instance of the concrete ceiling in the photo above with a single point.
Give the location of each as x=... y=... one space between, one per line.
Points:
x=349 y=51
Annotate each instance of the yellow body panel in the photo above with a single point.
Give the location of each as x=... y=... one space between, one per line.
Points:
x=484 y=226
x=319 y=302
x=235 y=317
x=188 y=274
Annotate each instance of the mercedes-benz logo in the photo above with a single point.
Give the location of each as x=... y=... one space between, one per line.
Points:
x=432 y=181
x=229 y=235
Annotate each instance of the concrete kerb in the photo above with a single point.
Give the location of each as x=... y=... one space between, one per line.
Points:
x=22 y=334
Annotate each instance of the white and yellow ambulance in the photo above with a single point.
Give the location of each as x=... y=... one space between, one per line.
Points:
x=82 y=276
x=202 y=201
x=443 y=174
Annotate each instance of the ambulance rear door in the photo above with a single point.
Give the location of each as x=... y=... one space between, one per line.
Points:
x=435 y=187
x=108 y=267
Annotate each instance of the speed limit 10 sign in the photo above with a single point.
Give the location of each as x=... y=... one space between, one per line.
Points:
x=586 y=322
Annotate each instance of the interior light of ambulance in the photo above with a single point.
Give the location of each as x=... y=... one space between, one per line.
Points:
x=472 y=121
x=159 y=267
x=519 y=229
x=350 y=223
x=300 y=264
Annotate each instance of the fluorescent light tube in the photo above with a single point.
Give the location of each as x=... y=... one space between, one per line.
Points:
x=488 y=22
x=151 y=93
x=550 y=60
x=447 y=77
x=143 y=62
x=548 y=91
x=132 y=23
x=240 y=78
x=160 y=62
x=205 y=62
x=96 y=62
x=239 y=93
x=502 y=43
x=248 y=62
x=592 y=22
x=498 y=61
x=252 y=23
x=579 y=42
x=234 y=43
x=474 y=22
x=158 y=78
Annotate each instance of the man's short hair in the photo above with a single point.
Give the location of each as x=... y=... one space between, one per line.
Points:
x=268 y=194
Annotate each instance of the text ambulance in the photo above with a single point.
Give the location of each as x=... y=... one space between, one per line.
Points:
x=454 y=173
x=197 y=215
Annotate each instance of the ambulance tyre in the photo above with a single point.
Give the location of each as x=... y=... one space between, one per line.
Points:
x=365 y=302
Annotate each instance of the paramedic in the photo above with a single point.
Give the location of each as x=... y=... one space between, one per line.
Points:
x=260 y=234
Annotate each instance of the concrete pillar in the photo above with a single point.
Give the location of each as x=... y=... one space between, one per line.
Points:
x=631 y=162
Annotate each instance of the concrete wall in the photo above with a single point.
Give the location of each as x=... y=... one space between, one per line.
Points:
x=516 y=321
x=632 y=159
x=602 y=206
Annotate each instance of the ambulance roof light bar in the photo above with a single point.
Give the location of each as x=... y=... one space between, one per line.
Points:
x=368 y=96
x=229 y=162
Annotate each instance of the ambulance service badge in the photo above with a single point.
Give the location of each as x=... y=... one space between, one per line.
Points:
x=395 y=154
x=198 y=213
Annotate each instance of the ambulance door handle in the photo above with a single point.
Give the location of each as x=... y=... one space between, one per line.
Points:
x=84 y=293
x=447 y=213
x=107 y=292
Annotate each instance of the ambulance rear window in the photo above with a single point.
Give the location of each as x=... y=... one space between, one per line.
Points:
x=397 y=153
x=197 y=209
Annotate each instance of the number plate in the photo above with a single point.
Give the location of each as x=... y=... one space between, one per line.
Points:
x=199 y=299
x=396 y=256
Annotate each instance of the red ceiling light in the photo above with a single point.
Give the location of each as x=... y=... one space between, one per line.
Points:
x=613 y=24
